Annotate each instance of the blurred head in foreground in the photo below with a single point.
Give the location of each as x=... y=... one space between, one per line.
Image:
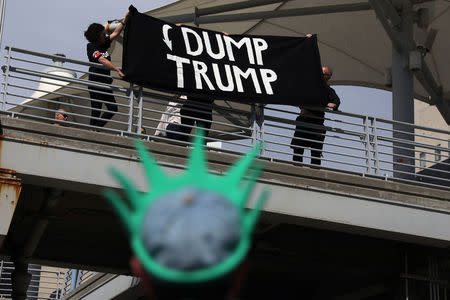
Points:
x=191 y=233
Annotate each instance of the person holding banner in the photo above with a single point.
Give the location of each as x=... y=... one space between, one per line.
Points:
x=309 y=131
x=196 y=110
x=97 y=52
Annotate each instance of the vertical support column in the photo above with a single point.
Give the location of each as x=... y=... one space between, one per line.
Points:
x=403 y=97
x=261 y=126
x=74 y=281
x=367 y=144
x=5 y=81
x=140 y=105
x=254 y=124
x=1 y=268
x=130 y=113
x=20 y=279
x=375 y=146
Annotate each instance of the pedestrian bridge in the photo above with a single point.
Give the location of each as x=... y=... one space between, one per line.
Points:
x=61 y=217
x=377 y=199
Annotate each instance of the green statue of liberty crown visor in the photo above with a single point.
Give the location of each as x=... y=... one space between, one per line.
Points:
x=196 y=175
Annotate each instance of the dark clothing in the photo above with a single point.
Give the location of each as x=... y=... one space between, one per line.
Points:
x=193 y=109
x=112 y=107
x=94 y=52
x=174 y=131
x=312 y=136
x=331 y=97
x=306 y=136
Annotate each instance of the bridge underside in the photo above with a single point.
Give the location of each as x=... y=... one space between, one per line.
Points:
x=322 y=234
x=83 y=233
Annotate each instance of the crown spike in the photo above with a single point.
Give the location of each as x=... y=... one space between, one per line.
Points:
x=155 y=175
x=239 y=169
x=250 y=183
x=197 y=162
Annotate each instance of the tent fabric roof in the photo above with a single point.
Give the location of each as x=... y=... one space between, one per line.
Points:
x=354 y=44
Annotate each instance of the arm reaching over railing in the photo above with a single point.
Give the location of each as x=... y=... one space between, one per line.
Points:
x=118 y=28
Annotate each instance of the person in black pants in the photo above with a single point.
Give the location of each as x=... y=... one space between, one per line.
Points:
x=312 y=136
x=196 y=110
x=97 y=52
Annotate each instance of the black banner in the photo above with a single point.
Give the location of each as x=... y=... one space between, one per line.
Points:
x=244 y=68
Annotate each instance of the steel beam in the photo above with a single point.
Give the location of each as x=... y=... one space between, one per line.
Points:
x=390 y=12
x=192 y=17
x=235 y=6
x=393 y=34
x=402 y=45
x=295 y=12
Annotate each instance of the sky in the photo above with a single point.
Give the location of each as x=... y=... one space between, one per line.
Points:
x=57 y=26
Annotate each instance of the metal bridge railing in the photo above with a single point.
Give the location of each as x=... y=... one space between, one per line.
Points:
x=46 y=282
x=74 y=278
x=354 y=143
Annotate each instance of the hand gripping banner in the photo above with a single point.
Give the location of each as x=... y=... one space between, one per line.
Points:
x=243 y=68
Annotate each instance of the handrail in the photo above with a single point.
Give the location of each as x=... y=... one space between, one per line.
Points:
x=56 y=57
x=45 y=283
x=356 y=143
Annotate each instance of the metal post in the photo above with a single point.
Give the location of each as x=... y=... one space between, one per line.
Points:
x=130 y=114
x=58 y=282
x=1 y=269
x=73 y=282
x=375 y=146
x=254 y=124
x=140 y=105
x=2 y=20
x=5 y=82
x=367 y=143
x=403 y=96
x=261 y=127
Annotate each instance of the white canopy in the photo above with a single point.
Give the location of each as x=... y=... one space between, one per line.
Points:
x=353 y=36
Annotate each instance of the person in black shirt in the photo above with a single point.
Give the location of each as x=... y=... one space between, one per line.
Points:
x=313 y=136
x=97 y=52
x=196 y=110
